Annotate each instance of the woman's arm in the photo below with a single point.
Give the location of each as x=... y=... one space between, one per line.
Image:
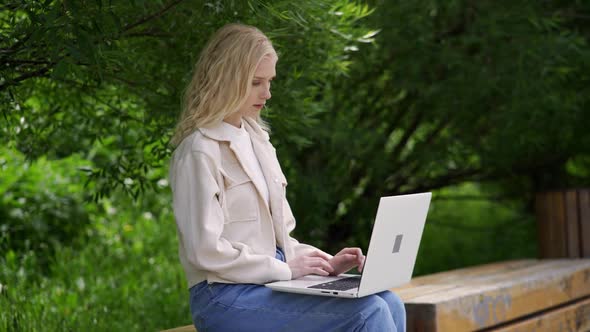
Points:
x=200 y=222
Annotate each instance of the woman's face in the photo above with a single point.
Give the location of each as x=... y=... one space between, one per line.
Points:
x=260 y=90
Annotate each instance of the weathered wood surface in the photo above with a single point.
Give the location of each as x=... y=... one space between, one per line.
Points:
x=563 y=220
x=551 y=224
x=572 y=222
x=188 y=328
x=483 y=296
x=574 y=317
x=584 y=198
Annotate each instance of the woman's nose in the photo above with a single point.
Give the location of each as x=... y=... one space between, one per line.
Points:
x=266 y=92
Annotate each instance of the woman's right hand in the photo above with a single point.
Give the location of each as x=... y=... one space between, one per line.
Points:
x=313 y=263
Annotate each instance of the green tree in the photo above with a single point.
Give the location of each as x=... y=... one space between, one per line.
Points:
x=452 y=91
x=104 y=78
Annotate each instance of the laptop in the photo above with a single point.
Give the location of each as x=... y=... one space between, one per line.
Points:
x=390 y=259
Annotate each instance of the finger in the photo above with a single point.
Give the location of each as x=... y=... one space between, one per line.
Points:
x=355 y=251
x=345 y=258
x=343 y=251
x=361 y=265
x=350 y=250
x=344 y=263
x=317 y=253
x=360 y=252
x=327 y=267
x=315 y=260
x=320 y=262
x=360 y=258
x=319 y=271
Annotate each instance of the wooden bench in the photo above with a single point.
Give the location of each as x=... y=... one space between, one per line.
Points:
x=513 y=296
x=506 y=296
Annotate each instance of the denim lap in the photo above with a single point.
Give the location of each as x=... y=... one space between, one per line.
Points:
x=247 y=307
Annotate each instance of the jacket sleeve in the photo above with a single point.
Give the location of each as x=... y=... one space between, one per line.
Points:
x=200 y=221
x=298 y=248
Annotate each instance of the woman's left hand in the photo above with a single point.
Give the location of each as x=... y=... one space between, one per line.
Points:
x=346 y=259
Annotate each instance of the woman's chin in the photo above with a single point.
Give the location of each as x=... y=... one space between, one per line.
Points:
x=253 y=113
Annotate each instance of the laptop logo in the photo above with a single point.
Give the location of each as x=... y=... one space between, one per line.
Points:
x=398 y=243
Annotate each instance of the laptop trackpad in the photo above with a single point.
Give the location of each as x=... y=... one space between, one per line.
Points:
x=340 y=284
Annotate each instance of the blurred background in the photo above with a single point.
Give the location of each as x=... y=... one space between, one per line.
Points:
x=484 y=103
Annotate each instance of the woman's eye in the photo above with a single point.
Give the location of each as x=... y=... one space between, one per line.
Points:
x=255 y=83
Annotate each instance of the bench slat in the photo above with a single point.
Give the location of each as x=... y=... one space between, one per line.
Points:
x=428 y=289
x=571 y=318
x=445 y=281
x=572 y=222
x=482 y=301
x=468 y=273
x=530 y=276
x=585 y=221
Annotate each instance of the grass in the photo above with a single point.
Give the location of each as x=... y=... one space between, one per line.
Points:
x=122 y=276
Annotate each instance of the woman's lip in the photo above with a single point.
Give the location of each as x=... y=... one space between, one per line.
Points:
x=258 y=105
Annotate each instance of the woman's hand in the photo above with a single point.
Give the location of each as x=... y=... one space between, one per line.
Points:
x=313 y=263
x=346 y=259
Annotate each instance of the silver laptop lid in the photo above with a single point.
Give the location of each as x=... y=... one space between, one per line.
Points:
x=394 y=243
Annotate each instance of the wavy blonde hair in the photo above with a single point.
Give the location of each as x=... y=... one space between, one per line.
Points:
x=222 y=78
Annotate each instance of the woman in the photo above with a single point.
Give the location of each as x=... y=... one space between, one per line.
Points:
x=231 y=211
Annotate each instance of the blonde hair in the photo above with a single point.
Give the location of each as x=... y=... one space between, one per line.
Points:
x=222 y=78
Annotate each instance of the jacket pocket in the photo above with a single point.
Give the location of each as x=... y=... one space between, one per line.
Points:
x=241 y=202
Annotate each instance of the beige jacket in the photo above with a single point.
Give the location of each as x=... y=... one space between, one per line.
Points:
x=226 y=231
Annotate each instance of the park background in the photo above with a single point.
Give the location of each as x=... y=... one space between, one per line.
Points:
x=484 y=103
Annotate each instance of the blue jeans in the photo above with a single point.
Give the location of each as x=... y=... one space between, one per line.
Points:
x=248 y=307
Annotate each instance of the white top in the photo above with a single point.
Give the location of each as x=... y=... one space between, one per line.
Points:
x=242 y=139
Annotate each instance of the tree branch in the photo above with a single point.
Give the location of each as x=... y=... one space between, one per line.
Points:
x=16 y=45
x=152 y=16
x=10 y=6
x=409 y=132
x=41 y=72
x=120 y=113
x=38 y=73
x=36 y=62
x=405 y=163
x=460 y=197
x=445 y=180
x=148 y=33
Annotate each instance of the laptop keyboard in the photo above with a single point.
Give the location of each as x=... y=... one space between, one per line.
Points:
x=340 y=284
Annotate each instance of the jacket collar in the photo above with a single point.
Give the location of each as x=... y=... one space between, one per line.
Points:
x=221 y=133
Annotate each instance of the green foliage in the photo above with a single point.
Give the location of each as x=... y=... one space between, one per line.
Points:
x=124 y=275
x=482 y=102
x=473 y=224
x=42 y=204
x=400 y=97
x=451 y=91
x=110 y=74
